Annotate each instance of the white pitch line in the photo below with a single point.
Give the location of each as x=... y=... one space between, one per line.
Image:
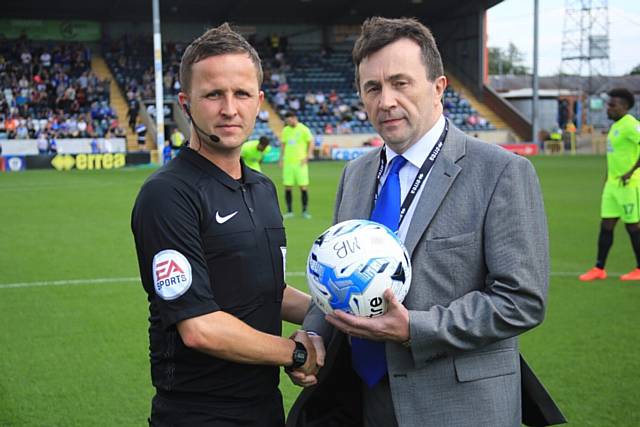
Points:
x=137 y=279
x=89 y=281
x=69 y=282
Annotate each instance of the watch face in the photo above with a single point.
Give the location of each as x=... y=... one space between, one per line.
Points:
x=299 y=356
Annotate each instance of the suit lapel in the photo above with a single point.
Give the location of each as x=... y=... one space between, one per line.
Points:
x=365 y=188
x=444 y=172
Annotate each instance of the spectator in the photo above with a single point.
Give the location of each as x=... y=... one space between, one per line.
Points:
x=333 y=97
x=283 y=87
x=107 y=145
x=166 y=153
x=280 y=99
x=361 y=115
x=324 y=110
x=141 y=132
x=344 y=127
x=294 y=104
x=82 y=128
x=310 y=99
x=53 y=145
x=328 y=129
x=22 y=132
x=472 y=120
x=134 y=108
x=26 y=58
x=263 y=116
x=45 y=59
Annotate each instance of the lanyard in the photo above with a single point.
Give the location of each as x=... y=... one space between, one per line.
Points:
x=420 y=177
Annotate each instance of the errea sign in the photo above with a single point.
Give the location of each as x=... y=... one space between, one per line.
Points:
x=171 y=274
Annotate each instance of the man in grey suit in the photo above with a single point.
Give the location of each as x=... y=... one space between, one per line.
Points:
x=474 y=225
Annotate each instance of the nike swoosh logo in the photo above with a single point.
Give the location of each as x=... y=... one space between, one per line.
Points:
x=223 y=219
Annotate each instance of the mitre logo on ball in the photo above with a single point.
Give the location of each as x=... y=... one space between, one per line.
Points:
x=351 y=265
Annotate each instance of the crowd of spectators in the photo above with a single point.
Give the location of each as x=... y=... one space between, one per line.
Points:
x=459 y=110
x=49 y=88
x=131 y=61
x=318 y=86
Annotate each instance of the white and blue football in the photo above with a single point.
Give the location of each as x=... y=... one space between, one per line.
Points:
x=351 y=265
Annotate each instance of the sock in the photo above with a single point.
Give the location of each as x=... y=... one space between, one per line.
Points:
x=305 y=199
x=605 y=240
x=635 y=243
x=289 y=199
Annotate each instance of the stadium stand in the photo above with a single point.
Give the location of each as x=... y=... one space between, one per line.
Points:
x=48 y=90
x=320 y=87
x=131 y=62
x=130 y=59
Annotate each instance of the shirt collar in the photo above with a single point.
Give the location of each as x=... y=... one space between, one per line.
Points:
x=418 y=152
x=249 y=176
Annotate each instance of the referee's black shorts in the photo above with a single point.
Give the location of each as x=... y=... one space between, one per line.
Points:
x=168 y=412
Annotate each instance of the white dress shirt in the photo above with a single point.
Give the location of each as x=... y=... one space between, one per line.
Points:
x=415 y=155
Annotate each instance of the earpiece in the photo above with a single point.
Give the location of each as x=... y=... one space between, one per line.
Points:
x=212 y=137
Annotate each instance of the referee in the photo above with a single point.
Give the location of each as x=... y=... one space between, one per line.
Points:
x=211 y=249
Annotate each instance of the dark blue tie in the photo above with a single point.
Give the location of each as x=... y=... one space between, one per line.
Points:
x=368 y=357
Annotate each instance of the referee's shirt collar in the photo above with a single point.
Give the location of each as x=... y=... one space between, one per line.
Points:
x=249 y=176
x=418 y=152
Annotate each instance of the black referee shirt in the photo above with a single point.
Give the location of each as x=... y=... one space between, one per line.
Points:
x=206 y=242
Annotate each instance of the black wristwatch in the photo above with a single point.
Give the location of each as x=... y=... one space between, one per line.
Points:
x=299 y=356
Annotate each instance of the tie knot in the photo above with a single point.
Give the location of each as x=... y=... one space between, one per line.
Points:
x=396 y=164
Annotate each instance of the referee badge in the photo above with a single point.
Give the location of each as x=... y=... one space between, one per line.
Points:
x=171 y=274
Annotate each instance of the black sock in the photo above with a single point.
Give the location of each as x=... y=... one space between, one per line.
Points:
x=635 y=243
x=605 y=240
x=305 y=199
x=288 y=198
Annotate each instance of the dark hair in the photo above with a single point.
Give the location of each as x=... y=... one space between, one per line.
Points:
x=216 y=41
x=290 y=113
x=378 y=32
x=264 y=140
x=624 y=94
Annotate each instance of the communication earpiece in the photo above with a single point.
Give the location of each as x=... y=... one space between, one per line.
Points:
x=212 y=137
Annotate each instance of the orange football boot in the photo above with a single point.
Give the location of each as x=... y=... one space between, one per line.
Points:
x=596 y=274
x=632 y=275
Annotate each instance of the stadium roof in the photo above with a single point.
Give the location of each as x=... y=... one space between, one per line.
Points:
x=318 y=12
x=598 y=84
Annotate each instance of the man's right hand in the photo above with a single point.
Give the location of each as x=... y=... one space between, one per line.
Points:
x=306 y=375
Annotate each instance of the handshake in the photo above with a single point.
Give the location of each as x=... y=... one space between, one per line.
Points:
x=305 y=375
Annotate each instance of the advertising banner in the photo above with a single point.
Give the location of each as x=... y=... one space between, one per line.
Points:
x=65 y=162
x=349 y=153
x=13 y=163
x=521 y=149
x=67 y=30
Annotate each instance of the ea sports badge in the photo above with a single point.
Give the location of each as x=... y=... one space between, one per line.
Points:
x=171 y=274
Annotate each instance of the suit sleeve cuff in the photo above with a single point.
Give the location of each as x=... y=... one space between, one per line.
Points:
x=423 y=337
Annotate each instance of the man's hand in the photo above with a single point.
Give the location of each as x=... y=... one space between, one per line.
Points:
x=391 y=326
x=314 y=344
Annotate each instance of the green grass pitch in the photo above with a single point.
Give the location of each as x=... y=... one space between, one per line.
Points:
x=73 y=317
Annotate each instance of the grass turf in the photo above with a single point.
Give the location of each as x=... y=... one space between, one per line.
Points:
x=75 y=354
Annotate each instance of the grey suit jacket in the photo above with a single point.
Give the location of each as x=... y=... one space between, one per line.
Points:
x=479 y=252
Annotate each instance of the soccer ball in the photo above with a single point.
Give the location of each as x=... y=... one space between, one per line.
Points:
x=352 y=263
